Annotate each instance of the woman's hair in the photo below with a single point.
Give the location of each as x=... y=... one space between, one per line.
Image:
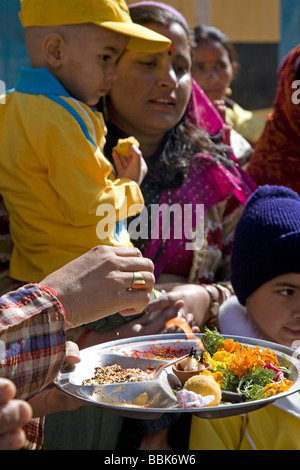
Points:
x=148 y=12
x=203 y=33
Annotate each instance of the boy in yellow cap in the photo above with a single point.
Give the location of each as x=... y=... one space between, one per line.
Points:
x=61 y=192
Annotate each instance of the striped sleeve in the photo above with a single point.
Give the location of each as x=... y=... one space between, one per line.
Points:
x=32 y=342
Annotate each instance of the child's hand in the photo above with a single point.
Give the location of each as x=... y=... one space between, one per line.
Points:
x=133 y=166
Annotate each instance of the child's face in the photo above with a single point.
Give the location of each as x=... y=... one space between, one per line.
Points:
x=275 y=309
x=89 y=62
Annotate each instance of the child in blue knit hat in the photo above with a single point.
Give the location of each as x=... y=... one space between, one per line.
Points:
x=266 y=280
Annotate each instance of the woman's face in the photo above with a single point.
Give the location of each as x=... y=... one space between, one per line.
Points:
x=212 y=69
x=151 y=92
x=275 y=309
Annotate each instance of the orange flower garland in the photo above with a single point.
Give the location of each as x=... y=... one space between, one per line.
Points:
x=245 y=359
x=241 y=361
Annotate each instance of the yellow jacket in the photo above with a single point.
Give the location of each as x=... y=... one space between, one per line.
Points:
x=54 y=179
x=269 y=428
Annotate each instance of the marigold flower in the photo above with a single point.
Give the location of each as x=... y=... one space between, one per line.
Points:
x=241 y=366
x=247 y=359
x=231 y=346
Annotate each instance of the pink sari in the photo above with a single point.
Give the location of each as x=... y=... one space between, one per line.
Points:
x=207 y=183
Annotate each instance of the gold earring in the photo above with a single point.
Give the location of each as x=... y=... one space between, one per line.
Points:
x=228 y=91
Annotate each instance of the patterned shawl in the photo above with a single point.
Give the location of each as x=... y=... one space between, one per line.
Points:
x=276 y=159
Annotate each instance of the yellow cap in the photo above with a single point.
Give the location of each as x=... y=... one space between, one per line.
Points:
x=110 y=14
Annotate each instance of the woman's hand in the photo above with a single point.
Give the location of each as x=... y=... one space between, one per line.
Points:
x=189 y=300
x=194 y=299
x=143 y=325
x=152 y=322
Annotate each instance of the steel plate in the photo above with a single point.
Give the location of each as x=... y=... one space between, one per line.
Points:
x=120 y=398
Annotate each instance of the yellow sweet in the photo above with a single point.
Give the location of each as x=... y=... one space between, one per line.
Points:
x=204 y=385
x=124 y=145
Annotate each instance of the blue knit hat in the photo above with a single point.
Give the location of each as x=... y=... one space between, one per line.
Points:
x=267 y=240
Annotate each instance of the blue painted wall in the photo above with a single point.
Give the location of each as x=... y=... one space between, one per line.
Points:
x=12 y=46
x=290 y=26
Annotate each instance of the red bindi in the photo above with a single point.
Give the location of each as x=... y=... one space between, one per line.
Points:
x=172 y=48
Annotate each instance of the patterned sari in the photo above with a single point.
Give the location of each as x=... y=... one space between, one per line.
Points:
x=222 y=188
x=276 y=159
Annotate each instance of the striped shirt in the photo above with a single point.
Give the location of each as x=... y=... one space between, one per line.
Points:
x=32 y=345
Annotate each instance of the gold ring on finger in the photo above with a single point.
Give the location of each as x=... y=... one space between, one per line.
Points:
x=138 y=281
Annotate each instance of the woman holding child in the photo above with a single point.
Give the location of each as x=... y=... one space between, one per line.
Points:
x=155 y=99
x=180 y=135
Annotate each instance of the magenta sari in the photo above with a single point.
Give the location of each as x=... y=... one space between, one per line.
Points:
x=207 y=183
